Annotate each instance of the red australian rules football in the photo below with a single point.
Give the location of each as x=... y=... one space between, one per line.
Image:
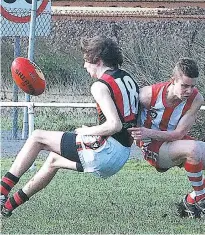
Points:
x=28 y=76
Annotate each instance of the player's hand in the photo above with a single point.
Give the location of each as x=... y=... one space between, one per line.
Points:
x=81 y=130
x=135 y=132
x=139 y=133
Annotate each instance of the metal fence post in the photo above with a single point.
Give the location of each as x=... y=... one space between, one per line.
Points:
x=31 y=124
x=30 y=57
x=17 y=52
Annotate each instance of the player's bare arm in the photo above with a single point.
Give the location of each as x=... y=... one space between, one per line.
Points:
x=113 y=123
x=187 y=121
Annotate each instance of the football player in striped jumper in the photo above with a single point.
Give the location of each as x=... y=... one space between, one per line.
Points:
x=169 y=111
x=101 y=150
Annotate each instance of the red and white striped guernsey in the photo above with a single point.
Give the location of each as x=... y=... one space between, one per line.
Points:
x=160 y=116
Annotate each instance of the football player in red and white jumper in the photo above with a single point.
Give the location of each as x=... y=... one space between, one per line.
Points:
x=169 y=111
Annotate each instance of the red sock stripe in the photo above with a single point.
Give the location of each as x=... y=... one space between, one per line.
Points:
x=8 y=181
x=193 y=168
x=198 y=188
x=190 y=199
x=4 y=191
x=8 y=205
x=14 y=201
x=6 y=185
x=17 y=198
x=196 y=179
x=198 y=198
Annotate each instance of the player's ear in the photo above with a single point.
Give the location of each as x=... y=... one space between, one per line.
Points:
x=172 y=80
x=99 y=62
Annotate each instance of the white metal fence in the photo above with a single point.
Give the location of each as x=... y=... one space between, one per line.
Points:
x=31 y=108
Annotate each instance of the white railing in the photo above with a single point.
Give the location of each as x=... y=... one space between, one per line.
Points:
x=32 y=105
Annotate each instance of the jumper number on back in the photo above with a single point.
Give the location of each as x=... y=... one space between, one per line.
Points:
x=130 y=95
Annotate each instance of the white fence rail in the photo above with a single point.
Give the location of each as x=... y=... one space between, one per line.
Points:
x=32 y=105
x=36 y=104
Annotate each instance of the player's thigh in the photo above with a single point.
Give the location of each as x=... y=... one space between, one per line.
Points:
x=62 y=143
x=51 y=140
x=178 y=151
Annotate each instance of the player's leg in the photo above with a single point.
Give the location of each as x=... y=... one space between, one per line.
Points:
x=58 y=142
x=192 y=153
x=40 y=180
x=39 y=140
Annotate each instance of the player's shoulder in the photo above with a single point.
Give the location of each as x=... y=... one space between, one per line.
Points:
x=199 y=99
x=155 y=86
x=98 y=87
x=147 y=92
x=145 y=95
x=97 y=84
x=197 y=102
x=145 y=89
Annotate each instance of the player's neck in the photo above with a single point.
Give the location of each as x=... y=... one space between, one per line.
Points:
x=102 y=70
x=171 y=98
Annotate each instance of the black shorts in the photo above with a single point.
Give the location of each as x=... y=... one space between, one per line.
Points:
x=69 y=149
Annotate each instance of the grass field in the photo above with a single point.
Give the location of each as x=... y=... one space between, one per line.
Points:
x=137 y=200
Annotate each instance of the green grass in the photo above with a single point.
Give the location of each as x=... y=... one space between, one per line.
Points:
x=137 y=200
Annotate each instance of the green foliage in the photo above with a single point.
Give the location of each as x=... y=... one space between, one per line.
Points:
x=7 y=118
x=64 y=72
x=137 y=200
x=151 y=48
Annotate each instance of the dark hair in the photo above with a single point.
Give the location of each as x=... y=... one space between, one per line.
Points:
x=188 y=67
x=100 y=47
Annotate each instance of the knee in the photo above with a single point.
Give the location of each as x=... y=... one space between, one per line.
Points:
x=36 y=136
x=51 y=160
x=193 y=151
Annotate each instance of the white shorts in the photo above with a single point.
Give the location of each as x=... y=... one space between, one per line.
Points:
x=104 y=161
